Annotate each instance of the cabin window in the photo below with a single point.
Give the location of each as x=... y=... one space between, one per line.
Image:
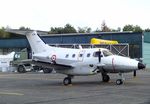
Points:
x=67 y=55
x=88 y=55
x=73 y=55
x=80 y=55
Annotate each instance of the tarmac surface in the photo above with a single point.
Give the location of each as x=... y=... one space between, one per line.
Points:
x=39 y=88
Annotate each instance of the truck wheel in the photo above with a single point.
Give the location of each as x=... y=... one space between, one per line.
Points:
x=47 y=70
x=21 y=69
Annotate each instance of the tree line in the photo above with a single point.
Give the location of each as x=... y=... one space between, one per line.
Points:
x=3 y=33
x=68 y=28
x=104 y=28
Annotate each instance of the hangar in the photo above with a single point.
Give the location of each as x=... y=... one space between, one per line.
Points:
x=19 y=42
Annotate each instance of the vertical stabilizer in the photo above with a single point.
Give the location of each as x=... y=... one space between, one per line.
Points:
x=35 y=42
x=11 y=55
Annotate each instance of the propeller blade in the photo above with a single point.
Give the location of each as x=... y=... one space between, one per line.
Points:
x=99 y=56
x=134 y=73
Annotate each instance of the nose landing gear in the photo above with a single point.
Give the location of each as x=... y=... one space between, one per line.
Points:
x=120 y=80
x=67 y=80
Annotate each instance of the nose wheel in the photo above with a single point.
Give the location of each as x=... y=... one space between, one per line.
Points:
x=67 y=80
x=120 y=80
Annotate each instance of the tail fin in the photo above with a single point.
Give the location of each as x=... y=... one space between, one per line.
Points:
x=35 y=42
x=10 y=54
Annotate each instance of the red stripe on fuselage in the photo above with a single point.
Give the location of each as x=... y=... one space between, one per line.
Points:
x=113 y=64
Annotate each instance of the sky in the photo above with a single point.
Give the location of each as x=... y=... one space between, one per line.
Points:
x=44 y=14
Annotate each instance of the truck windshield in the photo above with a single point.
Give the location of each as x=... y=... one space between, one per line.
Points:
x=107 y=53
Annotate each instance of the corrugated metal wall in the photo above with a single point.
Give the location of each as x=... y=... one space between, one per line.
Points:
x=147 y=37
x=146 y=54
x=134 y=40
x=146 y=49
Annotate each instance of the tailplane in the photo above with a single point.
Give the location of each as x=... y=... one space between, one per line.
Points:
x=35 y=42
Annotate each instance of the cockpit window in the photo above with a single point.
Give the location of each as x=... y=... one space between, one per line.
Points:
x=67 y=55
x=107 y=53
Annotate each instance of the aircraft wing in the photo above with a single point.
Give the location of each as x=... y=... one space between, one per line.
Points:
x=47 y=65
x=100 y=65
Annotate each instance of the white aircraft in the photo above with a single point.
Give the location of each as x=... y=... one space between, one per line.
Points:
x=80 y=62
x=5 y=60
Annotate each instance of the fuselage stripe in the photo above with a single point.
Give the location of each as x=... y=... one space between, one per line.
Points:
x=113 y=64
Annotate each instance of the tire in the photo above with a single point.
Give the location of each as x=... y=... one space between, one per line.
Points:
x=119 y=82
x=67 y=81
x=105 y=78
x=21 y=69
x=47 y=70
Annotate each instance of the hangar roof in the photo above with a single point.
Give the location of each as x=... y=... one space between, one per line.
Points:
x=46 y=33
x=23 y=32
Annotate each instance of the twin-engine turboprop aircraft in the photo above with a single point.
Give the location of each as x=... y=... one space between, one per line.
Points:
x=80 y=62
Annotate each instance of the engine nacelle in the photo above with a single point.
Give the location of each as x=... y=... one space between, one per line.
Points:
x=78 y=71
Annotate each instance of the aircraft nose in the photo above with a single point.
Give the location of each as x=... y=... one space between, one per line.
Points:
x=141 y=65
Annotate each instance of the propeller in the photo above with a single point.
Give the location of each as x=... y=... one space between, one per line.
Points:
x=134 y=73
x=99 y=60
x=99 y=56
x=140 y=66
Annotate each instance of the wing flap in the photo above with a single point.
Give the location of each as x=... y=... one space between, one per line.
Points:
x=48 y=65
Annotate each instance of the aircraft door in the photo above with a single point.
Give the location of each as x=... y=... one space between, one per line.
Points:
x=81 y=55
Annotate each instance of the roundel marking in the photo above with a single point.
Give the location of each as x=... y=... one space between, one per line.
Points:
x=53 y=58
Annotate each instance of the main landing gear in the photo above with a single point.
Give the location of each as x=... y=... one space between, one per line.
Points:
x=105 y=77
x=67 y=80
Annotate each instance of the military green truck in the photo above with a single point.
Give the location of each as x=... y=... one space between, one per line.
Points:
x=24 y=66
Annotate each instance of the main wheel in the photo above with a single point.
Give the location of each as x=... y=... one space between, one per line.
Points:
x=67 y=81
x=119 y=81
x=47 y=70
x=105 y=78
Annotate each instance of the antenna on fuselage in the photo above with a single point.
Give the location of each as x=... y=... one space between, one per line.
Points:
x=80 y=47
